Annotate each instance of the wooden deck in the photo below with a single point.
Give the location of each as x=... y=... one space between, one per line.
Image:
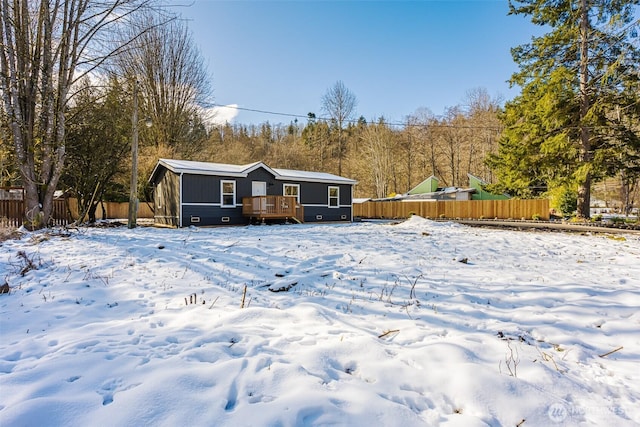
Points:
x=273 y=207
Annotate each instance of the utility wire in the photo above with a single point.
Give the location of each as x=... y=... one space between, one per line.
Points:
x=354 y=121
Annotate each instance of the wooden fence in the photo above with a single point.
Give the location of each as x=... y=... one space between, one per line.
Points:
x=12 y=213
x=113 y=210
x=472 y=209
x=66 y=211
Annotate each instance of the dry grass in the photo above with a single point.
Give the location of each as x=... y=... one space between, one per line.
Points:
x=7 y=233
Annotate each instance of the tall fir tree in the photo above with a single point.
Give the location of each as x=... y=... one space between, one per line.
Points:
x=579 y=105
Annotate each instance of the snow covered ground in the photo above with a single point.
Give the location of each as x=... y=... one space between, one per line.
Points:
x=368 y=324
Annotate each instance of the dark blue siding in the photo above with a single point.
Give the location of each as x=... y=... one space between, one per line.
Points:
x=200 y=189
x=327 y=214
x=212 y=215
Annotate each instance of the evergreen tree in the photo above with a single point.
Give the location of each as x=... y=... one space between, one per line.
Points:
x=565 y=126
x=98 y=140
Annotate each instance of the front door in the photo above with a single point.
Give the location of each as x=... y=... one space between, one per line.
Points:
x=258 y=188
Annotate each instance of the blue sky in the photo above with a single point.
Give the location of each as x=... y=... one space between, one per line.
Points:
x=395 y=56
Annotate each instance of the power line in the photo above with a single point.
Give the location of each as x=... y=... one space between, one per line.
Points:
x=355 y=121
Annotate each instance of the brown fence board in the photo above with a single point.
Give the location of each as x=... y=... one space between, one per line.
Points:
x=113 y=210
x=472 y=209
x=12 y=213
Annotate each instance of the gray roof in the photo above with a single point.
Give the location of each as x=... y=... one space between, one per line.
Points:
x=241 y=171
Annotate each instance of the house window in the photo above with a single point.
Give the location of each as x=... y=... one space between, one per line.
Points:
x=334 y=197
x=228 y=194
x=292 y=190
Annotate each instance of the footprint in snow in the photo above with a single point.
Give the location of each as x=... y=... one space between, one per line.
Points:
x=232 y=397
x=110 y=388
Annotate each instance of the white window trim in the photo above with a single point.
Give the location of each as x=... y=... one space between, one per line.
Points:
x=222 y=194
x=159 y=195
x=329 y=197
x=284 y=192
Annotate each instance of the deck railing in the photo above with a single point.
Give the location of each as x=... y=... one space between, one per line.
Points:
x=272 y=207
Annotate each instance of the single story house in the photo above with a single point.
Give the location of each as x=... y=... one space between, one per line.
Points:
x=201 y=193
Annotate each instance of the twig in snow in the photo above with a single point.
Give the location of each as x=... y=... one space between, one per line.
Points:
x=406 y=307
x=611 y=352
x=244 y=295
x=214 y=301
x=520 y=423
x=389 y=332
x=412 y=291
x=512 y=359
x=547 y=357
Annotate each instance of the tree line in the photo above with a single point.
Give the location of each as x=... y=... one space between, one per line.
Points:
x=384 y=158
x=69 y=69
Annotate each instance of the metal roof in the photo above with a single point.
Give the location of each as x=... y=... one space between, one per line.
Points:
x=241 y=171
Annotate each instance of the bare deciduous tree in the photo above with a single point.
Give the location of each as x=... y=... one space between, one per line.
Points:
x=173 y=80
x=47 y=45
x=174 y=84
x=378 y=149
x=340 y=104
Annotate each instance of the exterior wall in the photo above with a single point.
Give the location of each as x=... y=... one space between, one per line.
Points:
x=201 y=215
x=244 y=184
x=202 y=198
x=200 y=189
x=167 y=199
x=315 y=199
x=201 y=201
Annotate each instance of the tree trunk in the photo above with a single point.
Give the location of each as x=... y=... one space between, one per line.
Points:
x=585 y=156
x=92 y=212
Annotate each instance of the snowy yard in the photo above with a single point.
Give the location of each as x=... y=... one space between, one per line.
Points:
x=420 y=323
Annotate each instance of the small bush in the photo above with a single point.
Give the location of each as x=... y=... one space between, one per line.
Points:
x=568 y=202
x=27 y=263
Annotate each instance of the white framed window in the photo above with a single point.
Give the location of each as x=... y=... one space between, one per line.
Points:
x=228 y=194
x=291 y=190
x=334 y=197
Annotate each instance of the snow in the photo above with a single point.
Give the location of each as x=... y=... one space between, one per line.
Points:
x=416 y=324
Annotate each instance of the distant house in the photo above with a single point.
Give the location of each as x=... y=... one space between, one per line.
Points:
x=429 y=190
x=481 y=193
x=429 y=185
x=200 y=193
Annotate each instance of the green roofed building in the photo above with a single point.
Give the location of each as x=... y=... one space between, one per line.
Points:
x=429 y=185
x=481 y=193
